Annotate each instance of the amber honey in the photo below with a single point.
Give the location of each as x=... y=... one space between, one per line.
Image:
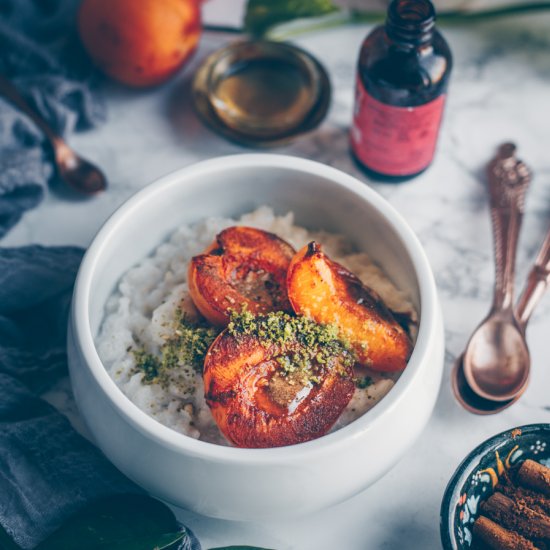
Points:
x=263 y=94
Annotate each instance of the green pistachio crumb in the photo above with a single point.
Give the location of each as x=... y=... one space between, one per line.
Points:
x=183 y=349
x=306 y=347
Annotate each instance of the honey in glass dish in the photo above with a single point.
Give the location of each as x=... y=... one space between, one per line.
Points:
x=262 y=88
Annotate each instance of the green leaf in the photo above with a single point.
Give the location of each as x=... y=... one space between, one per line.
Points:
x=169 y=541
x=263 y=14
x=126 y=522
x=284 y=19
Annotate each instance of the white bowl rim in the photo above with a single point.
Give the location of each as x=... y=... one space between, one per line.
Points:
x=183 y=443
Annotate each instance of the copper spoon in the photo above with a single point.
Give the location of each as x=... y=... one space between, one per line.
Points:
x=537 y=283
x=77 y=172
x=496 y=360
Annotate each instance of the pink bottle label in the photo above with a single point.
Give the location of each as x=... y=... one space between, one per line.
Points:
x=395 y=141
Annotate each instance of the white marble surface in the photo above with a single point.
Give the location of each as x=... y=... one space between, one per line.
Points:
x=500 y=90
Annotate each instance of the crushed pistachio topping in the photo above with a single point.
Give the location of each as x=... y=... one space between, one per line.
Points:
x=180 y=356
x=308 y=349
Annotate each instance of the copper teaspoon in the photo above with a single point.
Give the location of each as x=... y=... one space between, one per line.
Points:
x=496 y=359
x=537 y=283
x=77 y=172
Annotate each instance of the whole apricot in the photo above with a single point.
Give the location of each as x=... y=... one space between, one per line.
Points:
x=140 y=42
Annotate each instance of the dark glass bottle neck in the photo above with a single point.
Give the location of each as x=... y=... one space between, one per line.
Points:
x=410 y=23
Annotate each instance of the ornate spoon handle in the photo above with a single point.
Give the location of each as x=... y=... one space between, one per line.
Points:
x=537 y=282
x=508 y=180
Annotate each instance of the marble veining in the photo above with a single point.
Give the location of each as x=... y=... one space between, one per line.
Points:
x=500 y=90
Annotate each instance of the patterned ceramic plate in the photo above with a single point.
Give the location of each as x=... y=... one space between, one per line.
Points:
x=477 y=475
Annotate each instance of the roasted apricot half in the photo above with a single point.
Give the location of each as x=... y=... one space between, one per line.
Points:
x=279 y=383
x=244 y=268
x=327 y=292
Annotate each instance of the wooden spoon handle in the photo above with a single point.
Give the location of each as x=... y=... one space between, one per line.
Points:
x=10 y=92
x=536 y=285
x=508 y=181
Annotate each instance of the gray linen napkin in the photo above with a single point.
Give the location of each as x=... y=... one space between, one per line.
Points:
x=41 y=54
x=47 y=471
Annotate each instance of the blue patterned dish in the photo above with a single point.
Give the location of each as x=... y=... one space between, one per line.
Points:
x=477 y=475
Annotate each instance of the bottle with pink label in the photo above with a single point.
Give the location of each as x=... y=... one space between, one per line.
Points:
x=402 y=77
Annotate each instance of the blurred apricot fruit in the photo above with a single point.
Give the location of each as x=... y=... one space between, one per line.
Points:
x=244 y=267
x=140 y=42
x=325 y=291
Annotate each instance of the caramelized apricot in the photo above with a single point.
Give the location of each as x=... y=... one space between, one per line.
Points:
x=328 y=293
x=244 y=267
x=261 y=395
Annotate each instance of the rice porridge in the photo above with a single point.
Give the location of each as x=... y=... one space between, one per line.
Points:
x=141 y=313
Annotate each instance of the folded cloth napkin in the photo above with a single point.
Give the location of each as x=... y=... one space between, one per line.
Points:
x=41 y=54
x=47 y=471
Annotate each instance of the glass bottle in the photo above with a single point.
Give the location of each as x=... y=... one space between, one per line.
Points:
x=402 y=77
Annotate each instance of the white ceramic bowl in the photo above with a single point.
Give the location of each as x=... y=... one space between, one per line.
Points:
x=254 y=484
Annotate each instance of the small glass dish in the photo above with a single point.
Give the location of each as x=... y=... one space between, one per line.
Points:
x=261 y=92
